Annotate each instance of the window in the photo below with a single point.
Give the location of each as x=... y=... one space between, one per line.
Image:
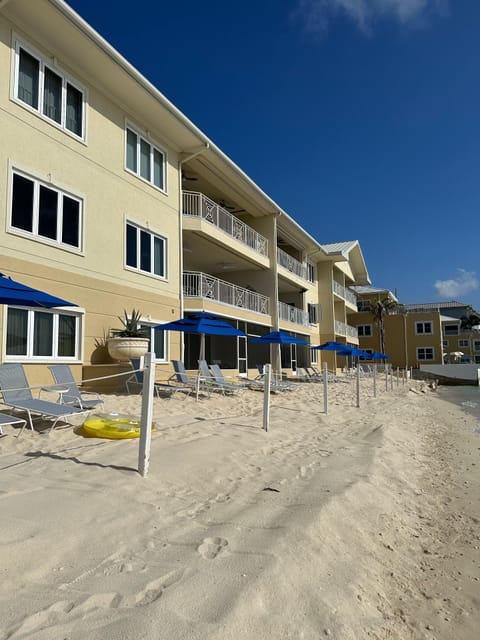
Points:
x=46 y=212
x=145 y=160
x=476 y=345
x=310 y=272
x=364 y=305
x=364 y=330
x=445 y=343
x=423 y=328
x=312 y=313
x=314 y=356
x=425 y=353
x=450 y=329
x=146 y=251
x=42 y=334
x=49 y=92
x=463 y=343
x=158 y=342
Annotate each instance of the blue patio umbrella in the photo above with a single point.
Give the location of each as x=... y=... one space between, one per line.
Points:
x=202 y=324
x=279 y=337
x=331 y=346
x=18 y=294
x=378 y=356
x=352 y=351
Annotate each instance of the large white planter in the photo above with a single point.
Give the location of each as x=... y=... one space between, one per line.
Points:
x=125 y=349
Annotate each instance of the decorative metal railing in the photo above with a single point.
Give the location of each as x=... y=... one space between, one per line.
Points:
x=343 y=329
x=291 y=264
x=202 y=285
x=345 y=293
x=199 y=206
x=292 y=314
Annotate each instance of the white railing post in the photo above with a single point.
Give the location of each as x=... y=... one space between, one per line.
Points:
x=375 y=380
x=147 y=414
x=267 y=370
x=325 y=387
x=358 y=384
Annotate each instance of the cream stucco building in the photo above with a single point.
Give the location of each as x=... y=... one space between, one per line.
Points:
x=113 y=199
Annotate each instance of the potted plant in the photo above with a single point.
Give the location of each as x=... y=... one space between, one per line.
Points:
x=131 y=341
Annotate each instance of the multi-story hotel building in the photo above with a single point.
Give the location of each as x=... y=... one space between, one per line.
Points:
x=113 y=199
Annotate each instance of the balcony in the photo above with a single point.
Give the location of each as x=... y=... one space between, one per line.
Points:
x=345 y=293
x=197 y=205
x=292 y=314
x=202 y=285
x=342 y=329
x=291 y=264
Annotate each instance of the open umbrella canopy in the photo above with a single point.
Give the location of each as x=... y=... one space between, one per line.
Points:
x=352 y=351
x=16 y=293
x=279 y=337
x=202 y=324
x=376 y=355
x=330 y=346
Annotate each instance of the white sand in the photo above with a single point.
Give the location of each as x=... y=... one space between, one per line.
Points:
x=363 y=523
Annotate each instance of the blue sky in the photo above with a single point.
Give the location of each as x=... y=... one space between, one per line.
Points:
x=360 y=118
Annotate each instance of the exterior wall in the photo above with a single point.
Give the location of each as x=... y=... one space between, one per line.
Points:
x=95 y=278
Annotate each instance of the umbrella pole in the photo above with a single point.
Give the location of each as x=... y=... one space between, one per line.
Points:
x=202 y=346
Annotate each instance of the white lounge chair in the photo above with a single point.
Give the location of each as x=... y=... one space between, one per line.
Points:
x=7 y=419
x=135 y=381
x=18 y=395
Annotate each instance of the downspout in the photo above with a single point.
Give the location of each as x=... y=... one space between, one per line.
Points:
x=180 y=224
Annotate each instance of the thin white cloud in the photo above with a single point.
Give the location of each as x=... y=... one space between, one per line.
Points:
x=317 y=14
x=457 y=287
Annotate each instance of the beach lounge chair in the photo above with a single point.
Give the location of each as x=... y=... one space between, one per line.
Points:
x=181 y=376
x=71 y=394
x=18 y=395
x=305 y=376
x=7 y=419
x=209 y=380
x=135 y=382
x=275 y=384
x=219 y=379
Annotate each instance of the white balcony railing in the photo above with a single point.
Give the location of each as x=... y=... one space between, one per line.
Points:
x=292 y=314
x=198 y=205
x=343 y=329
x=202 y=285
x=291 y=264
x=344 y=293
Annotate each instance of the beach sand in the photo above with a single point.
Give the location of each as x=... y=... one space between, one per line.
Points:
x=363 y=523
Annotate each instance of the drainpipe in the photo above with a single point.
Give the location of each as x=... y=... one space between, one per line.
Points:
x=194 y=154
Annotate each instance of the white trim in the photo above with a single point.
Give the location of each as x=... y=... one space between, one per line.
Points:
x=151 y=324
x=145 y=135
x=15 y=169
x=77 y=312
x=425 y=359
x=130 y=221
x=17 y=44
x=423 y=323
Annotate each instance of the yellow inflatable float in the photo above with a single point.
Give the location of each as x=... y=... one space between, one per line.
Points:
x=112 y=426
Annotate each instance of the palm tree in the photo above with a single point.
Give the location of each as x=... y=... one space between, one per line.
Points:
x=472 y=320
x=380 y=309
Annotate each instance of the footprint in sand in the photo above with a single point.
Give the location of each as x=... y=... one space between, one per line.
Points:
x=211 y=547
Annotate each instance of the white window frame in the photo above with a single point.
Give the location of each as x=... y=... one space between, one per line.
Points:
x=313 y=312
x=364 y=335
x=78 y=314
x=311 y=272
x=65 y=77
x=150 y=325
x=364 y=306
x=476 y=345
x=153 y=234
x=34 y=235
x=314 y=356
x=153 y=147
x=418 y=349
x=451 y=326
x=422 y=323
x=462 y=342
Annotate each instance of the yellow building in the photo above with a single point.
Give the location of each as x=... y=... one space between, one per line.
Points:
x=112 y=199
